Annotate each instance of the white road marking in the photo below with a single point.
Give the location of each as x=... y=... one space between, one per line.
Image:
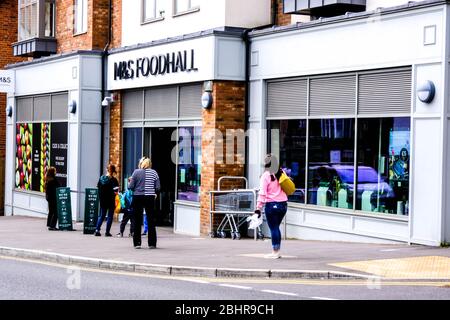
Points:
x=234 y=286
x=389 y=250
x=323 y=298
x=280 y=292
x=194 y=280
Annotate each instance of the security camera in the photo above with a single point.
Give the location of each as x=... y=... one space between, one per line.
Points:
x=107 y=101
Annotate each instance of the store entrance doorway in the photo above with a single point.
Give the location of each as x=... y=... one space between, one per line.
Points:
x=159 y=146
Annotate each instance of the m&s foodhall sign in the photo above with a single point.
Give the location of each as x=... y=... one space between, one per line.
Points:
x=7 y=81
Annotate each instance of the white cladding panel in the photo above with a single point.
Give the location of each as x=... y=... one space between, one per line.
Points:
x=187 y=219
x=52 y=76
x=374 y=42
x=210 y=15
x=426 y=183
x=248 y=13
x=374 y=4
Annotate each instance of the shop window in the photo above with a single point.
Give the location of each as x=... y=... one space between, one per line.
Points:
x=331 y=162
x=383 y=165
x=132 y=151
x=80 y=16
x=41 y=142
x=288 y=142
x=185 y=6
x=152 y=10
x=189 y=164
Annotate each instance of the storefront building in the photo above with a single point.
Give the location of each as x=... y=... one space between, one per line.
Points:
x=54 y=114
x=356 y=108
x=157 y=80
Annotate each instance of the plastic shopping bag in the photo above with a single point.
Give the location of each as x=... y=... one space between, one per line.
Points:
x=254 y=221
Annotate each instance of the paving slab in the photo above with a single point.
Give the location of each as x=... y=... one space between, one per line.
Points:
x=194 y=253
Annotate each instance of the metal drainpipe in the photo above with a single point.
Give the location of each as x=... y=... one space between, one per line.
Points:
x=104 y=72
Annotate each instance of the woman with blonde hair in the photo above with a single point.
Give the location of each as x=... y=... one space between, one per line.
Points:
x=145 y=185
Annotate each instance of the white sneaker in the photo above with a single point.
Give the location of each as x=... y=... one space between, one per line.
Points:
x=137 y=247
x=273 y=256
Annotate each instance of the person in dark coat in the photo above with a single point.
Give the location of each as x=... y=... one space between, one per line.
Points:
x=51 y=184
x=108 y=187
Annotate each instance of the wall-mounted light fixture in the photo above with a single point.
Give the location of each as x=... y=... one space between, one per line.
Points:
x=426 y=91
x=207 y=100
x=72 y=106
x=9 y=111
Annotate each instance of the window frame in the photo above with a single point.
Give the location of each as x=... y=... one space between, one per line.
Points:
x=40 y=19
x=190 y=9
x=84 y=19
x=144 y=19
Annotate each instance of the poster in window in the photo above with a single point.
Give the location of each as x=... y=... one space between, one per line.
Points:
x=37 y=175
x=58 y=151
x=399 y=150
x=24 y=145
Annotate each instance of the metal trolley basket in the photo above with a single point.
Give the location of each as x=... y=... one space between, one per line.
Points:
x=236 y=206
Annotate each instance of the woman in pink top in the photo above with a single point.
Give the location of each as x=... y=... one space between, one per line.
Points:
x=274 y=200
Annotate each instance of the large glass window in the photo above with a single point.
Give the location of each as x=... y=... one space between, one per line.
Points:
x=189 y=163
x=383 y=165
x=186 y=5
x=152 y=9
x=29 y=11
x=331 y=162
x=132 y=152
x=81 y=16
x=288 y=142
x=28 y=17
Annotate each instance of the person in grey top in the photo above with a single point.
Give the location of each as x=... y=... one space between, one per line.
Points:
x=145 y=185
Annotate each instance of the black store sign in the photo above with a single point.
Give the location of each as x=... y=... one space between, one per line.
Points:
x=181 y=61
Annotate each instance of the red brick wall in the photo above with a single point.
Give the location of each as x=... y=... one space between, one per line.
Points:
x=115 y=136
x=116 y=24
x=226 y=113
x=96 y=36
x=281 y=18
x=8 y=35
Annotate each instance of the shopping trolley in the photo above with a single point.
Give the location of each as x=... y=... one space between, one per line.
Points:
x=236 y=206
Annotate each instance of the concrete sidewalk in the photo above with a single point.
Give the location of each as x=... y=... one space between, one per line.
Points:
x=202 y=256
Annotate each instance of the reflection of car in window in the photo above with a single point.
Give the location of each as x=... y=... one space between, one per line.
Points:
x=337 y=177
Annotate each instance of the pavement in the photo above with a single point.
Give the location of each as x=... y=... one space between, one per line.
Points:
x=181 y=255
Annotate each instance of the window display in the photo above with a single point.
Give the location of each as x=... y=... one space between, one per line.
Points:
x=331 y=162
x=39 y=146
x=383 y=151
x=288 y=142
x=132 y=152
x=189 y=164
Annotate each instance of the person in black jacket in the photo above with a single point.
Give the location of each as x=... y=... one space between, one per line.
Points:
x=107 y=186
x=50 y=194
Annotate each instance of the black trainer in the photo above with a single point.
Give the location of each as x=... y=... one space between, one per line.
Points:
x=97 y=233
x=108 y=234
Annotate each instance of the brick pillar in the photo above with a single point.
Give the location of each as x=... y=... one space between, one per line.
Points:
x=226 y=116
x=115 y=136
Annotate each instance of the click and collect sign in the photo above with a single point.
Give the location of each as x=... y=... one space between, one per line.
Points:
x=7 y=81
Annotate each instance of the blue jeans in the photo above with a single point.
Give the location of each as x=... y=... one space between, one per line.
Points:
x=109 y=219
x=275 y=212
